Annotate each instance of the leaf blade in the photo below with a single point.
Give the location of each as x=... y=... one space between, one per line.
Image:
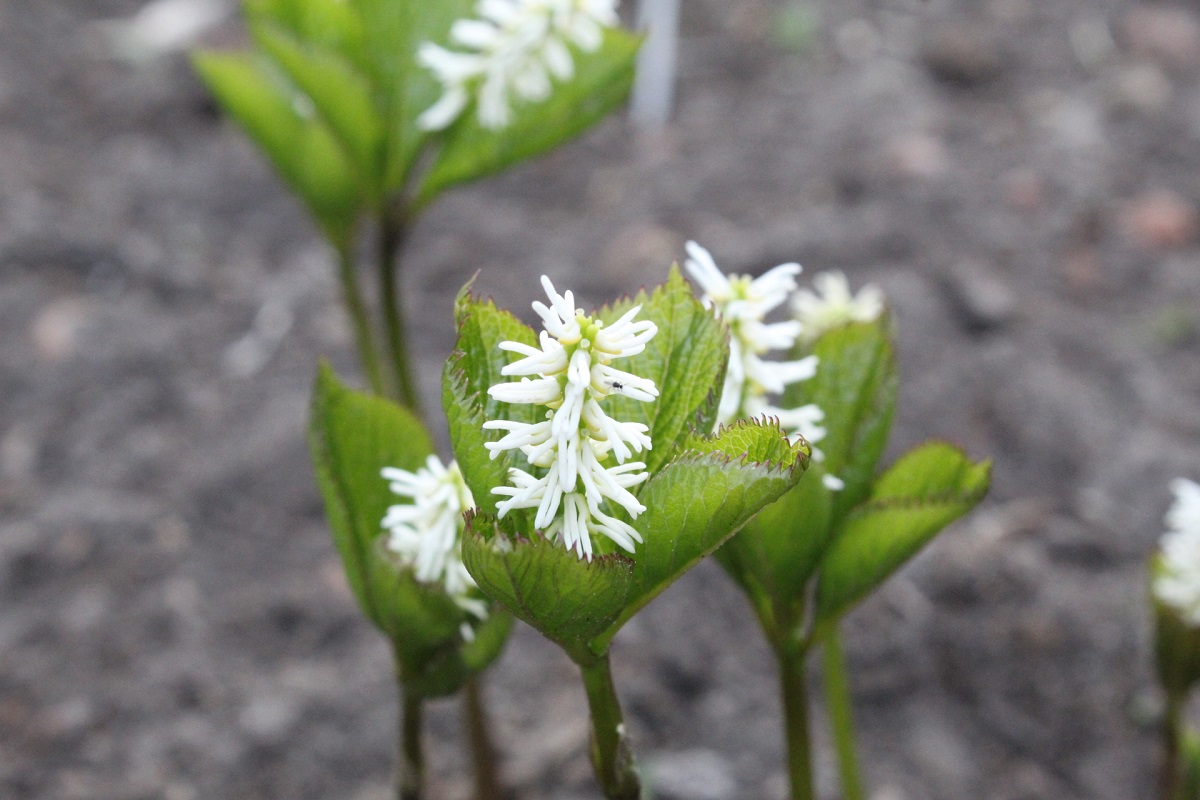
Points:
x=856 y=386
x=352 y=437
x=393 y=31
x=341 y=96
x=700 y=499
x=567 y=599
x=475 y=365
x=601 y=82
x=686 y=359
x=926 y=489
x=302 y=151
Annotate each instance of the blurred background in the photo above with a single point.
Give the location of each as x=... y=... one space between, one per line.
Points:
x=1020 y=176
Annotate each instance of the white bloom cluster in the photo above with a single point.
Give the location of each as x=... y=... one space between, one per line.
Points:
x=427 y=533
x=1178 y=584
x=832 y=304
x=514 y=48
x=577 y=442
x=742 y=303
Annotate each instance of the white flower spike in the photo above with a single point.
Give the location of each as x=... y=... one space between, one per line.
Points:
x=427 y=533
x=514 y=49
x=581 y=453
x=1178 y=584
x=832 y=304
x=742 y=303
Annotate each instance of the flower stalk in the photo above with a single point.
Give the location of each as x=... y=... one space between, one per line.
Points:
x=360 y=320
x=793 y=685
x=612 y=757
x=1171 y=778
x=410 y=756
x=841 y=713
x=483 y=750
x=392 y=234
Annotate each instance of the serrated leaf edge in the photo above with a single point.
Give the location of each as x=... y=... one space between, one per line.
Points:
x=691 y=455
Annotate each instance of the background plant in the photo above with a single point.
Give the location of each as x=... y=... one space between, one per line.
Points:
x=354 y=435
x=348 y=102
x=332 y=93
x=833 y=539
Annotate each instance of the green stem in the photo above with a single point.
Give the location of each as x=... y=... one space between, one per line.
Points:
x=392 y=232
x=1171 y=780
x=794 y=686
x=359 y=318
x=612 y=758
x=483 y=752
x=841 y=714
x=410 y=760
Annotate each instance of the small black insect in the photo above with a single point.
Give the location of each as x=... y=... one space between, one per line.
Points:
x=617 y=386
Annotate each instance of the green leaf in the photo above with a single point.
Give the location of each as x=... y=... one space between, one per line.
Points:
x=353 y=436
x=778 y=551
x=602 y=82
x=567 y=599
x=475 y=366
x=443 y=670
x=481 y=329
x=340 y=94
x=420 y=620
x=756 y=441
x=489 y=640
x=465 y=418
x=394 y=30
x=855 y=385
x=686 y=359
x=924 y=491
x=331 y=25
x=702 y=498
x=303 y=151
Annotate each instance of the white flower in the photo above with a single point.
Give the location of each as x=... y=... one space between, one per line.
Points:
x=1184 y=515
x=742 y=303
x=427 y=533
x=832 y=305
x=582 y=454
x=515 y=48
x=1178 y=583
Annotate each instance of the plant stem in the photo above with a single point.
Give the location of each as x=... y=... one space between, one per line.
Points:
x=410 y=759
x=1171 y=779
x=612 y=758
x=841 y=714
x=794 y=686
x=359 y=319
x=392 y=232
x=483 y=752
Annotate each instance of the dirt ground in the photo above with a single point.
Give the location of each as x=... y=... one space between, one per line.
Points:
x=1021 y=177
